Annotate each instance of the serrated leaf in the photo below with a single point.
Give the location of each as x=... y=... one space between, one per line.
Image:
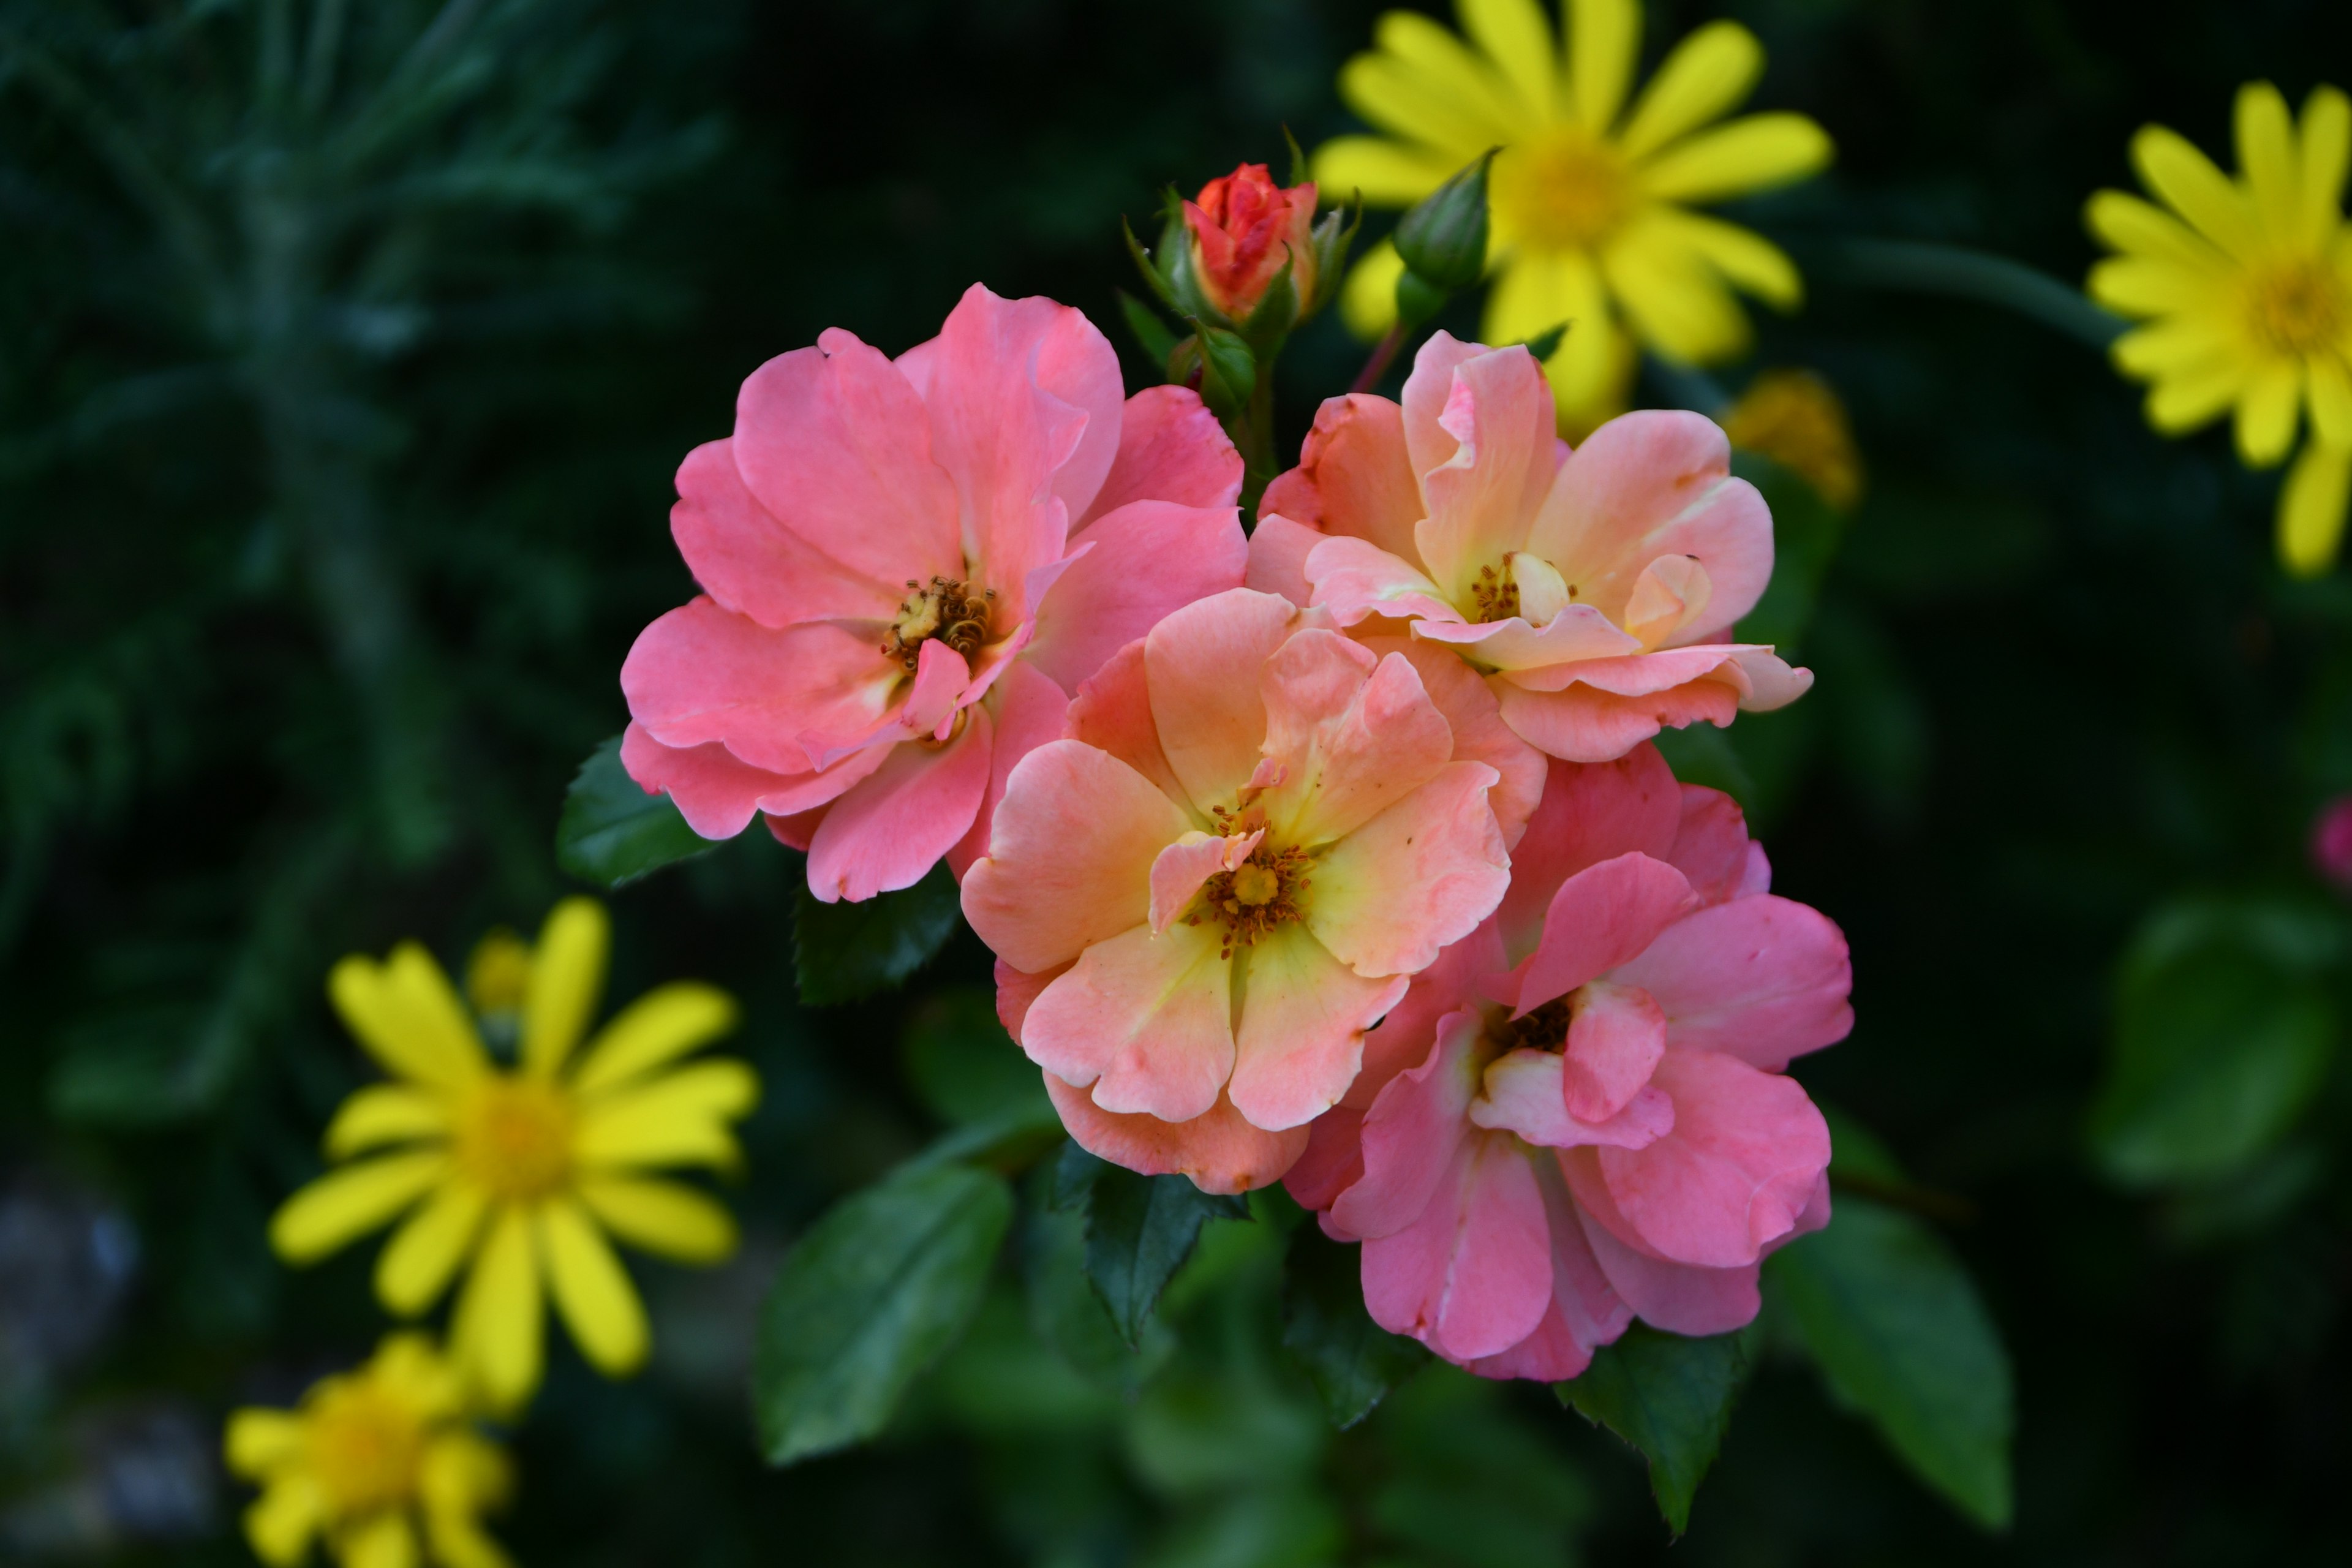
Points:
x=1352 y=1361
x=842 y=952
x=1139 y=1231
x=873 y=1294
x=1066 y=1313
x=612 y=832
x=1894 y=1324
x=1671 y=1398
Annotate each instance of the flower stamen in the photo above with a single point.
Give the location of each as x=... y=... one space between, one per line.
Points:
x=953 y=612
x=514 y=1137
x=2298 y=308
x=1494 y=595
x=1258 y=896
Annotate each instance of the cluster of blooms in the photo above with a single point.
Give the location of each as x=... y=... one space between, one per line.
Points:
x=1338 y=854
x=523 y=1160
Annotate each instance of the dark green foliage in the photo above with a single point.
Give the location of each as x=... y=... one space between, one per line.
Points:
x=965 y=1068
x=1895 y=1326
x=872 y=1295
x=842 y=951
x=1140 y=1230
x=1671 y=1398
x=1352 y=1361
x=612 y=832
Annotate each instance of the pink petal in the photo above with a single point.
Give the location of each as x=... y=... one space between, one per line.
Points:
x=1070 y=856
x=1353 y=579
x=1585 y=725
x=1354 y=477
x=1350 y=735
x=1333 y=1159
x=1202 y=666
x=1404 y=1037
x=1147 y=558
x=1589 y=812
x=1181 y=868
x=1112 y=713
x=1415 y=878
x=1300 y=1035
x=700 y=674
x=1480 y=735
x=836 y=447
x=1481 y=497
x=1144 y=1018
x=754 y=564
x=1585 y=1313
x=1170 y=449
x=1769 y=681
x=1219 y=1150
x=1472 y=1275
x=1735 y=1174
x=1762 y=979
x=1278 y=550
x=1522 y=1094
x=1427 y=391
x=888 y=830
x=1028 y=709
x=1676 y=1297
x=1410 y=1135
x=1711 y=846
x=1615 y=1037
x=1652 y=483
x=718 y=794
x=1016 y=992
x=1601 y=918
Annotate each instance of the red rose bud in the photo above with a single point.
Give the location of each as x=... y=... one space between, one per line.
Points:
x=1245 y=227
x=2331 y=842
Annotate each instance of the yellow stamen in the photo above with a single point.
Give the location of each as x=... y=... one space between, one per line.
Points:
x=2298 y=307
x=1560 y=191
x=959 y=615
x=365 y=1449
x=514 y=1137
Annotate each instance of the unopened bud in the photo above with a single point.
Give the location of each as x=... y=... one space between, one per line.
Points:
x=1244 y=231
x=1443 y=240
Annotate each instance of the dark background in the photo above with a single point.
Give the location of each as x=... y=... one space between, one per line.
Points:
x=321 y=540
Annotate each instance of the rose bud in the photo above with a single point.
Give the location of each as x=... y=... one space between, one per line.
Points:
x=1245 y=229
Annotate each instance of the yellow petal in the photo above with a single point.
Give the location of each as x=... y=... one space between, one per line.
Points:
x=664 y=1218
x=256 y=1441
x=405 y=1013
x=1367 y=299
x=1604 y=38
x=462 y=1474
x=2266 y=155
x=1709 y=74
x=496 y=1330
x=1753 y=153
x=406 y=1367
x=2174 y=346
x=657 y=1027
x=1516 y=37
x=2187 y=182
x=2311 y=509
x=2331 y=402
x=282 y=1520
x=1387 y=173
x=676 y=1120
x=592 y=1291
x=1539 y=292
x=384 y=1113
x=567 y=977
x=1398 y=97
x=459 y=1542
x=351 y=1201
x=1749 y=260
x=2184 y=400
x=385 y=1541
x=2266 y=412
x=2150 y=286
x=414 y=1268
x=1675 y=306
x=2326 y=147
x=2143 y=228
x=1450 y=70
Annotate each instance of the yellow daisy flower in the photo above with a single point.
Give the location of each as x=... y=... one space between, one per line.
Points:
x=1793 y=417
x=2246 y=287
x=1588 y=199
x=373 y=1460
x=524 y=1170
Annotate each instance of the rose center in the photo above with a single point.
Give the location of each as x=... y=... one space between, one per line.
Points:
x=960 y=614
x=1545 y=1029
x=364 y=1450
x=515 y=1138
x=1494 y=596
x=2298 y=307
x=1258 y=896
x=1564 y=191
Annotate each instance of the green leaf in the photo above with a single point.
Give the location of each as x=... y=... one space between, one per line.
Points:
x=1669 y=1396
x=2223 y=1032
x=1352 y=1361
x=843 y=950
x=873 y=1294
x=1895 y=1326
x=1139 y=1231
x=1228 y=370
x=1068 y=1314
x=1546 y=343
x=612 y=832
x=964 y=1067
x=1157 y=338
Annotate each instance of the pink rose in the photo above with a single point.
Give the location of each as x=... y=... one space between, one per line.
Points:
x=906 y=568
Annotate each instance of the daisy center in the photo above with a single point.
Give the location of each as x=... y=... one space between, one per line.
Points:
x=1563 y=191
x=515 y=1138
x=1256 y=897
x=960 y=614
x=366 y=1451
x=2298 y=307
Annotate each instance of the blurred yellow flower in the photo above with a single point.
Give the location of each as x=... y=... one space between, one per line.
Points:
x=1794 y=418
x=372 y=1459
x=1588 y=199
x=524 y=1170
x=2246 y=288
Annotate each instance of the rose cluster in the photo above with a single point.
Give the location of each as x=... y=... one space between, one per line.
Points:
x=1334 y=854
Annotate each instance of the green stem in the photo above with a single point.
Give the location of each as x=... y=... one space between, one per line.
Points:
x=1973 y=275
x=1384 y=355
x=1257 y=440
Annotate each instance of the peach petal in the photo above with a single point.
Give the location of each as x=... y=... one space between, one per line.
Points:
x=1144 y=1018
x=1200 y=667
x=1481 y=497
x=1353 y=579
x=1480 y=735
x=1070 y=856
x=1585 y=725
x=1523 y=1094
x=887 y=830
x=1278 y=558
x=702 y=673
x=1017 y=991
x=1028 y=711
x=1577 y=633
x=754 y=565
x=1170 y=449
x=1601 y=918
x=1300 y=1037
x=1354 y=477
x=1644 y=674
x=1112 y=713
x=1470 y=1277
x=1589 y=812
x=1415 y=878
x=1762 y=979
x=1141 y=562
x=1427 y=391
x=1349 y=733
x=1218 y=1150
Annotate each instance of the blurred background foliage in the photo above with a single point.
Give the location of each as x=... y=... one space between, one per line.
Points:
x=345 y=355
